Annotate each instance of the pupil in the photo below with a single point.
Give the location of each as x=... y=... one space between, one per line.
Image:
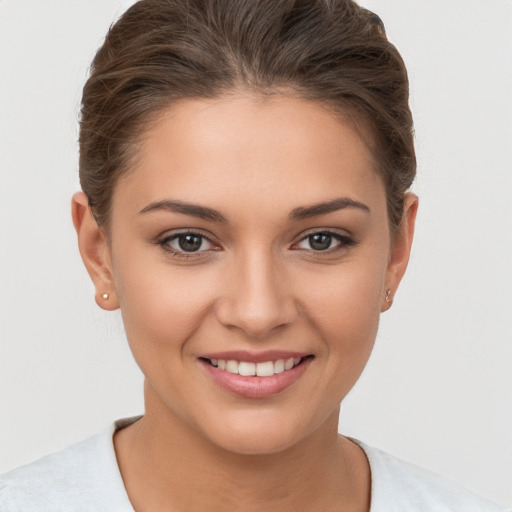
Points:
x=320 y=241
x=190 y=243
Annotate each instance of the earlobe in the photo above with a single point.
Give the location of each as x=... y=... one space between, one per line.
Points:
x=95 y=252
x=401 y=250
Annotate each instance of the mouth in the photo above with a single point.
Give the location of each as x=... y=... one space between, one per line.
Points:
x=253 y=369
x=256 y=376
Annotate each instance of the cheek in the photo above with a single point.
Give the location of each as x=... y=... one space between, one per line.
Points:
x=346 y=300
x=162 y=305
x=344 y=309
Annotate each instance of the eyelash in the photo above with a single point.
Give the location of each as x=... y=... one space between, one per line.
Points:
x=164 y=243
x=344 y=242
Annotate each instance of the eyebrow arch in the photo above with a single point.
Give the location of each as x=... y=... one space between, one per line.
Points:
x=201 y=212
x=305 y=212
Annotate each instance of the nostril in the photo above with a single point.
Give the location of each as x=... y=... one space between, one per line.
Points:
x=256 y=315
x=256 y=298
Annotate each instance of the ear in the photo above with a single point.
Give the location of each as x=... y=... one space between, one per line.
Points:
x=95 y=252
x=400 y=250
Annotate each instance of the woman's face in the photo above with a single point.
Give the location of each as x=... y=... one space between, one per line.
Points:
x=251 y=231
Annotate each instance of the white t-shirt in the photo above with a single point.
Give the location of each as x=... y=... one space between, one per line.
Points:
x=85 y=478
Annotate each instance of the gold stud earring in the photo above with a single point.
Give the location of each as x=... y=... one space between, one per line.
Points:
x=388 y=295
x=106 y=296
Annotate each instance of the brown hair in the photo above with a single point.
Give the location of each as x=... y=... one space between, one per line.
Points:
x=161 y=51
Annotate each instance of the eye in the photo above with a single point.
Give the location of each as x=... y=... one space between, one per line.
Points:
x=324 y=241
x=186 y=244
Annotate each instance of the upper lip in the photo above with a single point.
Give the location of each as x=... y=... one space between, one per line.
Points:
x=254 y=357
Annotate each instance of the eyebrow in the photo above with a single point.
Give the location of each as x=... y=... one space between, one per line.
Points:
x=306 y=212
x=299 y=213
x=201 y=212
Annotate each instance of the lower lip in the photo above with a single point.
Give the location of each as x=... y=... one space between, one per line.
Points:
x=256 y=387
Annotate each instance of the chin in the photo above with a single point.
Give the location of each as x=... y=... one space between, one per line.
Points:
x=250 y=443
x=256 y=434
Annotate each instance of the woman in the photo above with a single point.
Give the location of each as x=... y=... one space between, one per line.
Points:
x=245 y=169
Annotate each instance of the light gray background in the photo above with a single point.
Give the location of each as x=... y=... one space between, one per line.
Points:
x=437 y=390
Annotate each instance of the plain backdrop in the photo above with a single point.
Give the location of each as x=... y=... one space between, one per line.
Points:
x=437 y=390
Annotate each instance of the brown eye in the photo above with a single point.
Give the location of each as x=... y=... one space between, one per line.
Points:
x=324 y=241
x=187 y=243
x=320 y=241
x=190 y=242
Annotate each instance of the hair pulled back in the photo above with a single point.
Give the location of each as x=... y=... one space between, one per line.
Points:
x=161 y=51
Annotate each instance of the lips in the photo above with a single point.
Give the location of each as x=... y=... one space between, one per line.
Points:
x=256 y=375
x=250 y=369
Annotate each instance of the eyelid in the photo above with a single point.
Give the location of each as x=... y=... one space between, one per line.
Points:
x=164 y=239
x=172 y=233
x=330 y=231
x=345 y=239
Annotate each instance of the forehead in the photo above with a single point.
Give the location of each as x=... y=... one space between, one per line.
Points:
x=277 y=150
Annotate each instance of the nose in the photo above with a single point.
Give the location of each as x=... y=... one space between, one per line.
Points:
x=257 y=299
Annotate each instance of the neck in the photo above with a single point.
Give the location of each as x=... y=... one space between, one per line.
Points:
x=167 y=465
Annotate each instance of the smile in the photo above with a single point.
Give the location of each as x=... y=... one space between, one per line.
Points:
x=249 y=369
x=259 y=375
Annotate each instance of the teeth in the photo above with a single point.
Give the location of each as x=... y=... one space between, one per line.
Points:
x=247 y=369
x=279 y=366
x=265 y=369
x=232 y=366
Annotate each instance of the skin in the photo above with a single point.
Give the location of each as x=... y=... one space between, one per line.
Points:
x=258 y=285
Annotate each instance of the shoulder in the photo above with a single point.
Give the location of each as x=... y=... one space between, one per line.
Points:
x=82 y=477
x=398 y=486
